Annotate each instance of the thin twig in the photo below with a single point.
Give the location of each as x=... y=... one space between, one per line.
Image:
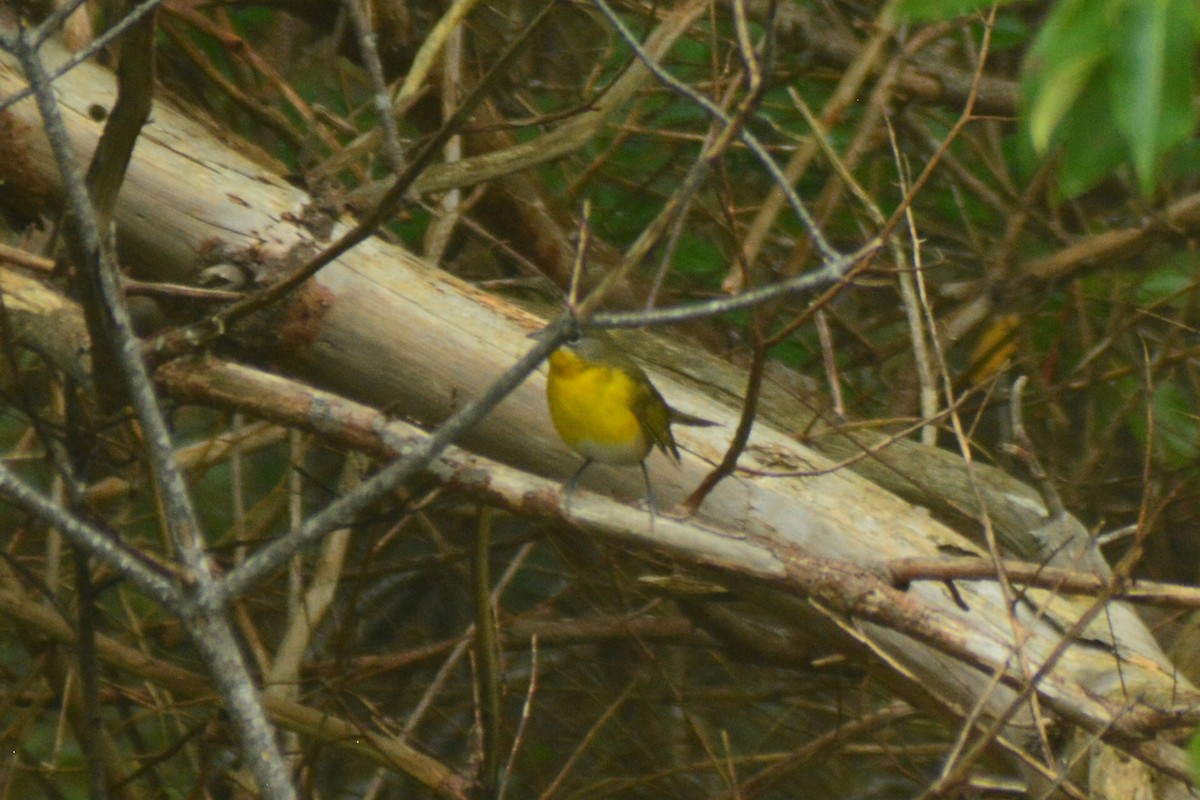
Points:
x=393 y=150
x=410 y=90
x=203 y=616
x=526 y=716
x=671 y=315
x=829 y=255
x=56 y=19
x=44 y=32
x=101 y=545
x=912 y=308
x=488 y=666
x=741 y=436
x=94 y=256
x=343 y=511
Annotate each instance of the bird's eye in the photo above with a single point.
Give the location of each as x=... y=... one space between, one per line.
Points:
x=575 y=337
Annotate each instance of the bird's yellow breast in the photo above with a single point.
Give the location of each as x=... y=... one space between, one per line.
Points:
x=593 y=409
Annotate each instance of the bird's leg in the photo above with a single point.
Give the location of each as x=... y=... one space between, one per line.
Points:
x=650 y=496
x=572 y=483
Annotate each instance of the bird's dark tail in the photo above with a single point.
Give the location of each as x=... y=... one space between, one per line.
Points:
x=683 y=418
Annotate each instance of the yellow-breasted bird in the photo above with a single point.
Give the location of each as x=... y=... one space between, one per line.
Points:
x=606 y=409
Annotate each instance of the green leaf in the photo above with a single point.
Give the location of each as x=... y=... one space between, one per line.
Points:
x=1169 y=282
x=1058 y=94
x=1092 y=147
x=1176 y=428
x=1112 y=81
x=1152 y=84
x=1069 y=49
